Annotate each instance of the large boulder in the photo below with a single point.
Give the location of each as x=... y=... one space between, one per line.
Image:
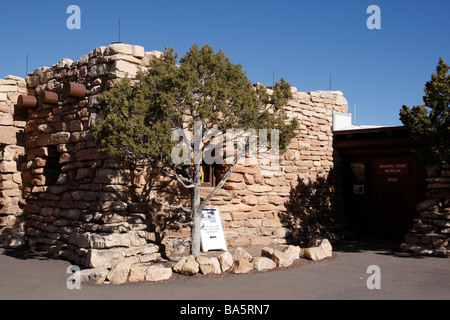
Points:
x=267 y=252
x=241 y=254
x=293 y=252
x=322 y=250
x=205 y=264
x=157 y=273
x=137 y=273
x=94 y=275
x=226 y=261
x=187 y=265
x=281 y=259
x=241 y=266
x=119 y=272
x=216 y=266
x=263 y=263
x=103 y=258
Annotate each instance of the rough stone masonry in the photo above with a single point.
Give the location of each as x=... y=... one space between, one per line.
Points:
x=12 y=152
x=68 y=199
x=429 y=234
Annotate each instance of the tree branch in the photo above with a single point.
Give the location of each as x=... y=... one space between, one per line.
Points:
x=187 y=183
x=175 y=208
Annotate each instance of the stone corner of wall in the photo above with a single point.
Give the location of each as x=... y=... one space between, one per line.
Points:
x=429 y=234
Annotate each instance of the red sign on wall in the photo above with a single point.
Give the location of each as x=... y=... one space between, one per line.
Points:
x=393 y=168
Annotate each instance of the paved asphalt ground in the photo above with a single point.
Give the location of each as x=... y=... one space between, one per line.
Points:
x=403 y=277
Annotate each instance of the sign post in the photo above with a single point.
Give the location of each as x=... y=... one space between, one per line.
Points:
x=212 y=236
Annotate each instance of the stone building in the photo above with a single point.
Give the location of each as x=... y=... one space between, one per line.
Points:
x=62 y=196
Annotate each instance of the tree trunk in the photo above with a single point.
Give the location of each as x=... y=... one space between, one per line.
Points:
x=196 y=212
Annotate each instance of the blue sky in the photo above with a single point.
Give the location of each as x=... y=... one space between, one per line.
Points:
x=302 y=41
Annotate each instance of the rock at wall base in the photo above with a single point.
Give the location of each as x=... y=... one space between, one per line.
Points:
x=322 y=251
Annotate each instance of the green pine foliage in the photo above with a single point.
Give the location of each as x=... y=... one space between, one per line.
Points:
x=429 y=124
x=137 y=117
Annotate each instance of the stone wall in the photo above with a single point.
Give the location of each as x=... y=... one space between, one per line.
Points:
x=261 y=207
x=430 y=233
x=93 y=210
x=12 y=124
x=81 y=205
x=302 y=198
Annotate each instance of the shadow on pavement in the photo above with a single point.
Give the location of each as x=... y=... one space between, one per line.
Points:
x=384 y=247
x=25 y=253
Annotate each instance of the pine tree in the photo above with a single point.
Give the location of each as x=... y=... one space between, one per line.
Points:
x=429 y=124
x=137 y=118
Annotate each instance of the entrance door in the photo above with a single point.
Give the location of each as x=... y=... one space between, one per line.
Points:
x=381 y=195
x=397 y=187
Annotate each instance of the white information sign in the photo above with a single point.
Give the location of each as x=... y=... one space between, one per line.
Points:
x=212 y=237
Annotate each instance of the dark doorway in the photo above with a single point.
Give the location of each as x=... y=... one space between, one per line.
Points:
x=382 y=182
